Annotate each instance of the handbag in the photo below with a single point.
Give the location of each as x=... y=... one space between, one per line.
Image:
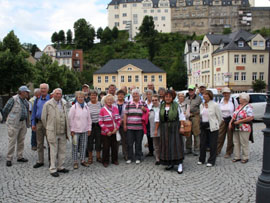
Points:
x=187 y=128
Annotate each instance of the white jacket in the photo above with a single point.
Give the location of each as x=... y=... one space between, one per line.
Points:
x=214 y=115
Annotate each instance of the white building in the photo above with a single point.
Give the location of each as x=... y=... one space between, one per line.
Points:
x=129 y=14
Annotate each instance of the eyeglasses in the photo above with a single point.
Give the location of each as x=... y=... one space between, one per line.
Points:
x=154 y=100
x=190 y=89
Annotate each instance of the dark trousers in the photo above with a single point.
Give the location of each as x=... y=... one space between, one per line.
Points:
x=123 y=141
x=109 y=144
x=149 y=140
x=34 y=139
x=212 y=137
x=95 y=137
x=134 y=136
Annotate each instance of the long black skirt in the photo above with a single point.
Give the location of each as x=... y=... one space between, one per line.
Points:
x=171 y=144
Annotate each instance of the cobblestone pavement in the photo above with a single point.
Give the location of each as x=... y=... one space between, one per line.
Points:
x=226 y=182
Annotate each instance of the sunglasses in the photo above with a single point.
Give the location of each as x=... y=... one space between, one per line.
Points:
x=190 y=89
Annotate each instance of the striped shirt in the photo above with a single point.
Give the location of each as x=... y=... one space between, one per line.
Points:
x=134 y=115
x=94 y=111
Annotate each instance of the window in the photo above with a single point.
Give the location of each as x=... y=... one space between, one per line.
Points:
x=261 y=44
x=124 y=22
x=257 y=98
x=268 y=44
x=99 y=79
x=129 y=78
x=158 y=10
x=261 y=58
x=243 y=58
x=77 y=54
x=254 y=58
x=116 y=24
x=236 y=58
x=236 y=76
x=122 y=78
x=124 y=5
x=240 y=44
x=115 y=6
x=152 y=78
x=155 y=18
x=255 y=43
x=106 y=79
x=160 y=78
x=134 y=5
x=116 y=16
x=145 y=11
x=135 y=18
x=145 y=88
x=222 y=60
x=218 y=60
x=166 y=10
x=136 y=78
x=124 y=14
x=243 y=76
x=215 y=61
x=113 y=79
x=129 y=69
x=163 y=18
x=254 y=76
x=152 y=11
x=145 y=78
x=262 y=76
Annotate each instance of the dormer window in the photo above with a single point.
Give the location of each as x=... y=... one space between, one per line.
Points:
x=240 y=44
x=129 y=68
x=268 y=44
x=255 y=43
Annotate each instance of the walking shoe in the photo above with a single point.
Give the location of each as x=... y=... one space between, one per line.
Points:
x=149 y=154
x=75 y=166
x=37 y=165
x=34 y=148
x=9 y=163
x=22 y=160
x=195 y=153
x=116 y=163
x=199 y=163
x=138 y=162
x=157 y=163
x=55 y=174
x=128 y=161
x=169 y=167
x=188 y=151
x=180 y=169
x=226 y=156
x=209 y=165
x=84 y=164
x=63 y=170
x=105 y=165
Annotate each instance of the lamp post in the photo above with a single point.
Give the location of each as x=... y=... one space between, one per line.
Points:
x=263 y=183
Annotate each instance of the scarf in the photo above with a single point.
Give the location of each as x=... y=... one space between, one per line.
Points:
x=173 y=112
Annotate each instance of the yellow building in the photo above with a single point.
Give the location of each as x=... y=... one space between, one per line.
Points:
x=234 y=60
x=129 y=72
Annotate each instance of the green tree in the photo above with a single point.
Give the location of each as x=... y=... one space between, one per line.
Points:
x=148 y=35
x=84 y=34
x=106 y=36
x=32 y=48
x=61 y=37
x=54 y=38
x=227 y=31
x=115 y=33
x=99 y=33
x=258 y=85
x=69 y=36
x=14 y=68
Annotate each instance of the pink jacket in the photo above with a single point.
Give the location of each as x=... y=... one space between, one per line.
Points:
x=79 y=118
x=145 y=118
x=106 y=121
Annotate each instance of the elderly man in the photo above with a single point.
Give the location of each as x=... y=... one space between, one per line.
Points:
x=37 y=124
x=194 y=102
x=16 y=111
x=150 y=86
x=33 y=136
x=55 y=120
x=202 y=89
x=85 y=89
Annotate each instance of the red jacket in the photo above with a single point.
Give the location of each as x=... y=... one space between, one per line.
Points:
x=106 y=121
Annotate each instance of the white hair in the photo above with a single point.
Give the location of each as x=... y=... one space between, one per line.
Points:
x=44 y=84
x=36 y=90
x=149 y=91
x=244 y=96
x=135 y=91
x=57 y=89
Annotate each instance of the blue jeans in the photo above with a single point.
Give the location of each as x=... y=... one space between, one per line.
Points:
x=33 y=139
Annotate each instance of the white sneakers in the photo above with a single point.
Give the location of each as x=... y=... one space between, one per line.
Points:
x=180 y=169
x=128 y=161
x=138 y=161
x=209 y=165
x=199 y=163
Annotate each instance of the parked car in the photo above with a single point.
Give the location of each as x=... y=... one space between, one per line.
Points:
x=258 y=102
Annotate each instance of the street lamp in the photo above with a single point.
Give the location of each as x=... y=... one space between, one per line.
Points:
x=263 y=183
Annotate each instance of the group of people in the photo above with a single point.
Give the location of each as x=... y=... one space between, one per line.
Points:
x=100 y=124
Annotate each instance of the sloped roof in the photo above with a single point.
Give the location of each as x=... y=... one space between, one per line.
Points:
x=115 y=64
x=155 y=2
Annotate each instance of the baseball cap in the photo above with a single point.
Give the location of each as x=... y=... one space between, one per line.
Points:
x=24 y=89
x=85 y=85
x=226 y=89
x=191 y=87
x=202 y=85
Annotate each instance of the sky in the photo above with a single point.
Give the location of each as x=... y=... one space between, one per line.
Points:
x=34 y=21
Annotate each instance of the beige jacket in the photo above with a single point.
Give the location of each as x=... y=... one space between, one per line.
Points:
x=48 y=118
x=214 y=114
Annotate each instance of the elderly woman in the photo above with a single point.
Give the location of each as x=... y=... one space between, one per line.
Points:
x=242 y=122
x=133 y=125
x=227 y=106
x=95 y=137
x=80 y=126
x=109 y=121
x=149 y=94
x=211 y=119
x=121 y=105
x=171 y=123
x=183 y=104
x=161 y=93
x=155 y=133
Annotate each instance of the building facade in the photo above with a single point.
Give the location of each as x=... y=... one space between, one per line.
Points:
x=129 y=72
x=129 y=14
x=234 y=60
x=212 y=16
